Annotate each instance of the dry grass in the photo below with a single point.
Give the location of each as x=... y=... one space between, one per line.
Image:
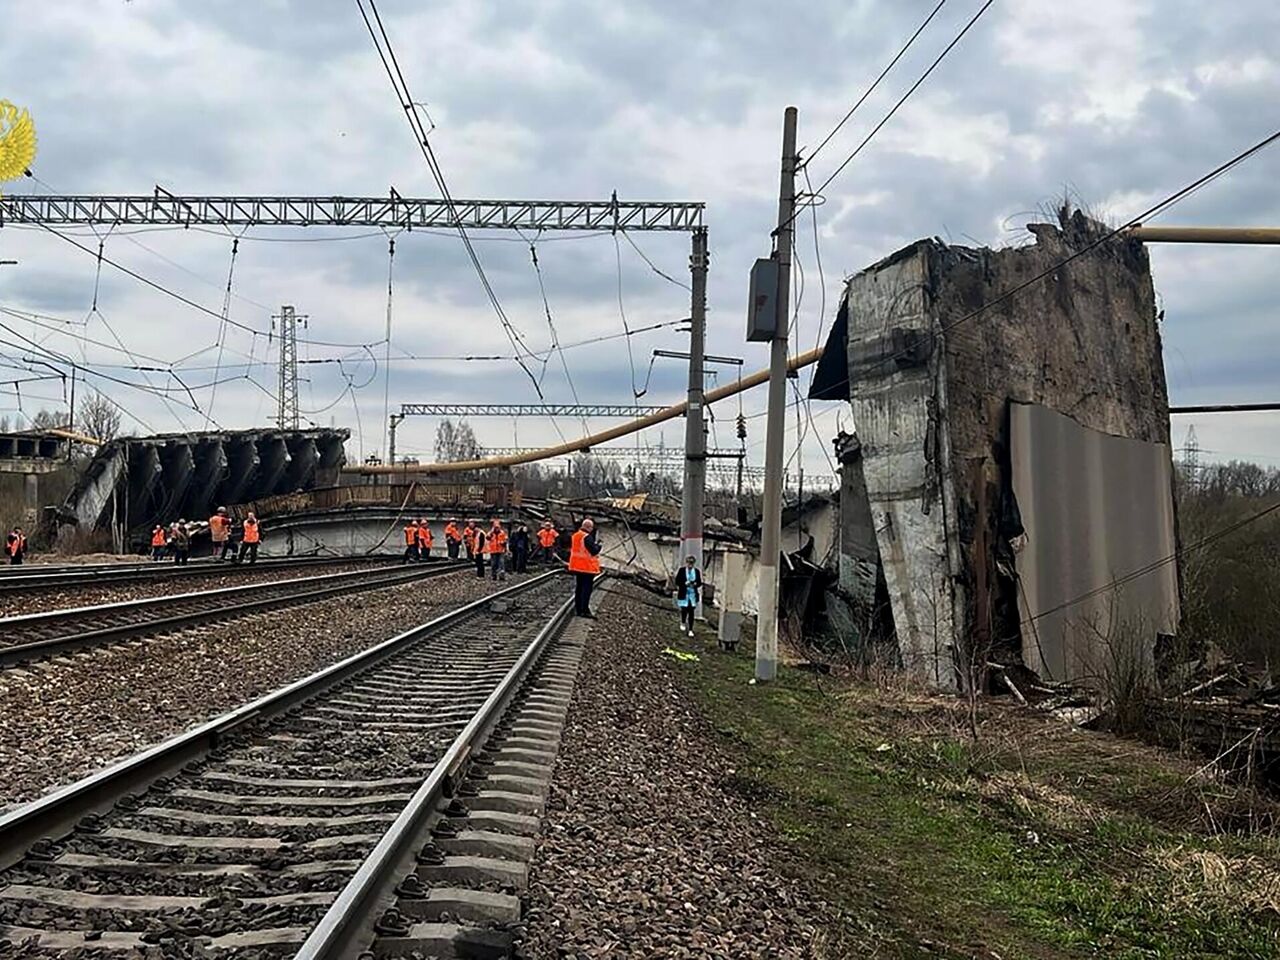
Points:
x=1232 y=882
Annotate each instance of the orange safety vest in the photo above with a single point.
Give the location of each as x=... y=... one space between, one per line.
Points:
x=469 y=535
x=410 y=536
x=17 y=546
x=580 y=558
x=497 y=542
x=424 y=535
x=547 y=538
x=157 y=538
x=451 y=533
x=251 y=534
x=219 y=527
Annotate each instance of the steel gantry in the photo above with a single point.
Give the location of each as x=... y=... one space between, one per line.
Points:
x=525 y=410
x=392 y=211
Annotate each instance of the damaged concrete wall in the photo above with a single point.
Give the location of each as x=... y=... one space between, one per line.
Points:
x=930 y=381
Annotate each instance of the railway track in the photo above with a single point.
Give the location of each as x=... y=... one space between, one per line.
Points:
x=31 y=577
x=55 y=632
x=391 y=797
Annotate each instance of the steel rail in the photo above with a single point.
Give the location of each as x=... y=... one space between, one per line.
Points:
x=353 y=912
x=309 y=589
x=15 y=579
x=55 y=813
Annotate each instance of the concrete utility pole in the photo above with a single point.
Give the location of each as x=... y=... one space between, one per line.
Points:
x=771 y=521
x=695 y=439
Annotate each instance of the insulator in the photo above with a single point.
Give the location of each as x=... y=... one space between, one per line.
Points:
x=742 y=427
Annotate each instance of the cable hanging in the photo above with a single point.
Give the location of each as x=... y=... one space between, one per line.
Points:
x=631 y=359
x=555 y=340
x=222 y=330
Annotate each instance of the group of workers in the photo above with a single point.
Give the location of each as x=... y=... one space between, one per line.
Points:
x=487 y=548
x=175 y=539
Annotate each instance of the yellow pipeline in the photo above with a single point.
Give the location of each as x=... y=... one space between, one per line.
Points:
x=595 y=439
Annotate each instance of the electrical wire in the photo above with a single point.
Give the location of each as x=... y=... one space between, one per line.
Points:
x=407 y=102
x=161 y=288
x=875 y=83
x=653 y=266
x=622 y=313
x=1205 y=541
x=555 y=339
x=222 y=329
x=894 y=109
x=1155 y=210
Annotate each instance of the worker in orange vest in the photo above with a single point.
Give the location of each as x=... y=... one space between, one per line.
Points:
x=157 y=543
x=496 y=546
x=424 y=540
x=251 y=538
x=410 y=542
x=584 y=564
x=220 y=534
x=547 y=537
x=15 y=546
x=452 y=539
x=469 y=538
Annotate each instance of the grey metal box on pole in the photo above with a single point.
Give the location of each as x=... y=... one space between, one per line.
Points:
x=762 y=305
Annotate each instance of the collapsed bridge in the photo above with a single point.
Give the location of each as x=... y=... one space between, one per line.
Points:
x=133 y=483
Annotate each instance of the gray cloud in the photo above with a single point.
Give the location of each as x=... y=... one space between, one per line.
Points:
x=1115 y=107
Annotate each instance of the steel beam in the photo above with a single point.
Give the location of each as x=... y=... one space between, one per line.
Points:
x=1224 y=408
x=525 y=410
x=393 y=211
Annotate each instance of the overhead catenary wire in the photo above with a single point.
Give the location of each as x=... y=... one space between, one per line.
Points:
x=173 y=294
x=874 y=84
x=622 y=313
x=222 y=329
x=386 y=54
x=894 y=109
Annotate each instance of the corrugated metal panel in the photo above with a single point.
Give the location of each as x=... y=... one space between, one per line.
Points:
x=1096 y=508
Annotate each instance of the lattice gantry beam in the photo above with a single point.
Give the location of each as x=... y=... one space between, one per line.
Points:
x=394 y=211
x=647 y=455
x=525 y=410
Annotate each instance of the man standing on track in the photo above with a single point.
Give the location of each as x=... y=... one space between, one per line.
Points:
x=584 y=564
x=180 y=543
x=520 y=549
x=469 y=533
x=547 y=537
x=15 y=545
x=158 y=542
x=410 y=542
x=252 y=537
x=220 y=533
x=452 y=539
x=424 y=540
x=497 y=547
x=476 y=549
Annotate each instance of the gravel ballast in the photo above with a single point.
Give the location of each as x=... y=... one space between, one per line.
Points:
x=646 y=851
x=62 y=719
x=17 y=603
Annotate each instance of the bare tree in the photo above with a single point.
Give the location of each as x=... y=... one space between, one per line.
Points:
x=47 y=420
x=456 y=442
x=99 y=418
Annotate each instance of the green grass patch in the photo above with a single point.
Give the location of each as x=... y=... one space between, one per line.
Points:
x=1032 y=840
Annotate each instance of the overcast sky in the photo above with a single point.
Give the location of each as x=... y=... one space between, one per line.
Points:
x=1114 y=104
